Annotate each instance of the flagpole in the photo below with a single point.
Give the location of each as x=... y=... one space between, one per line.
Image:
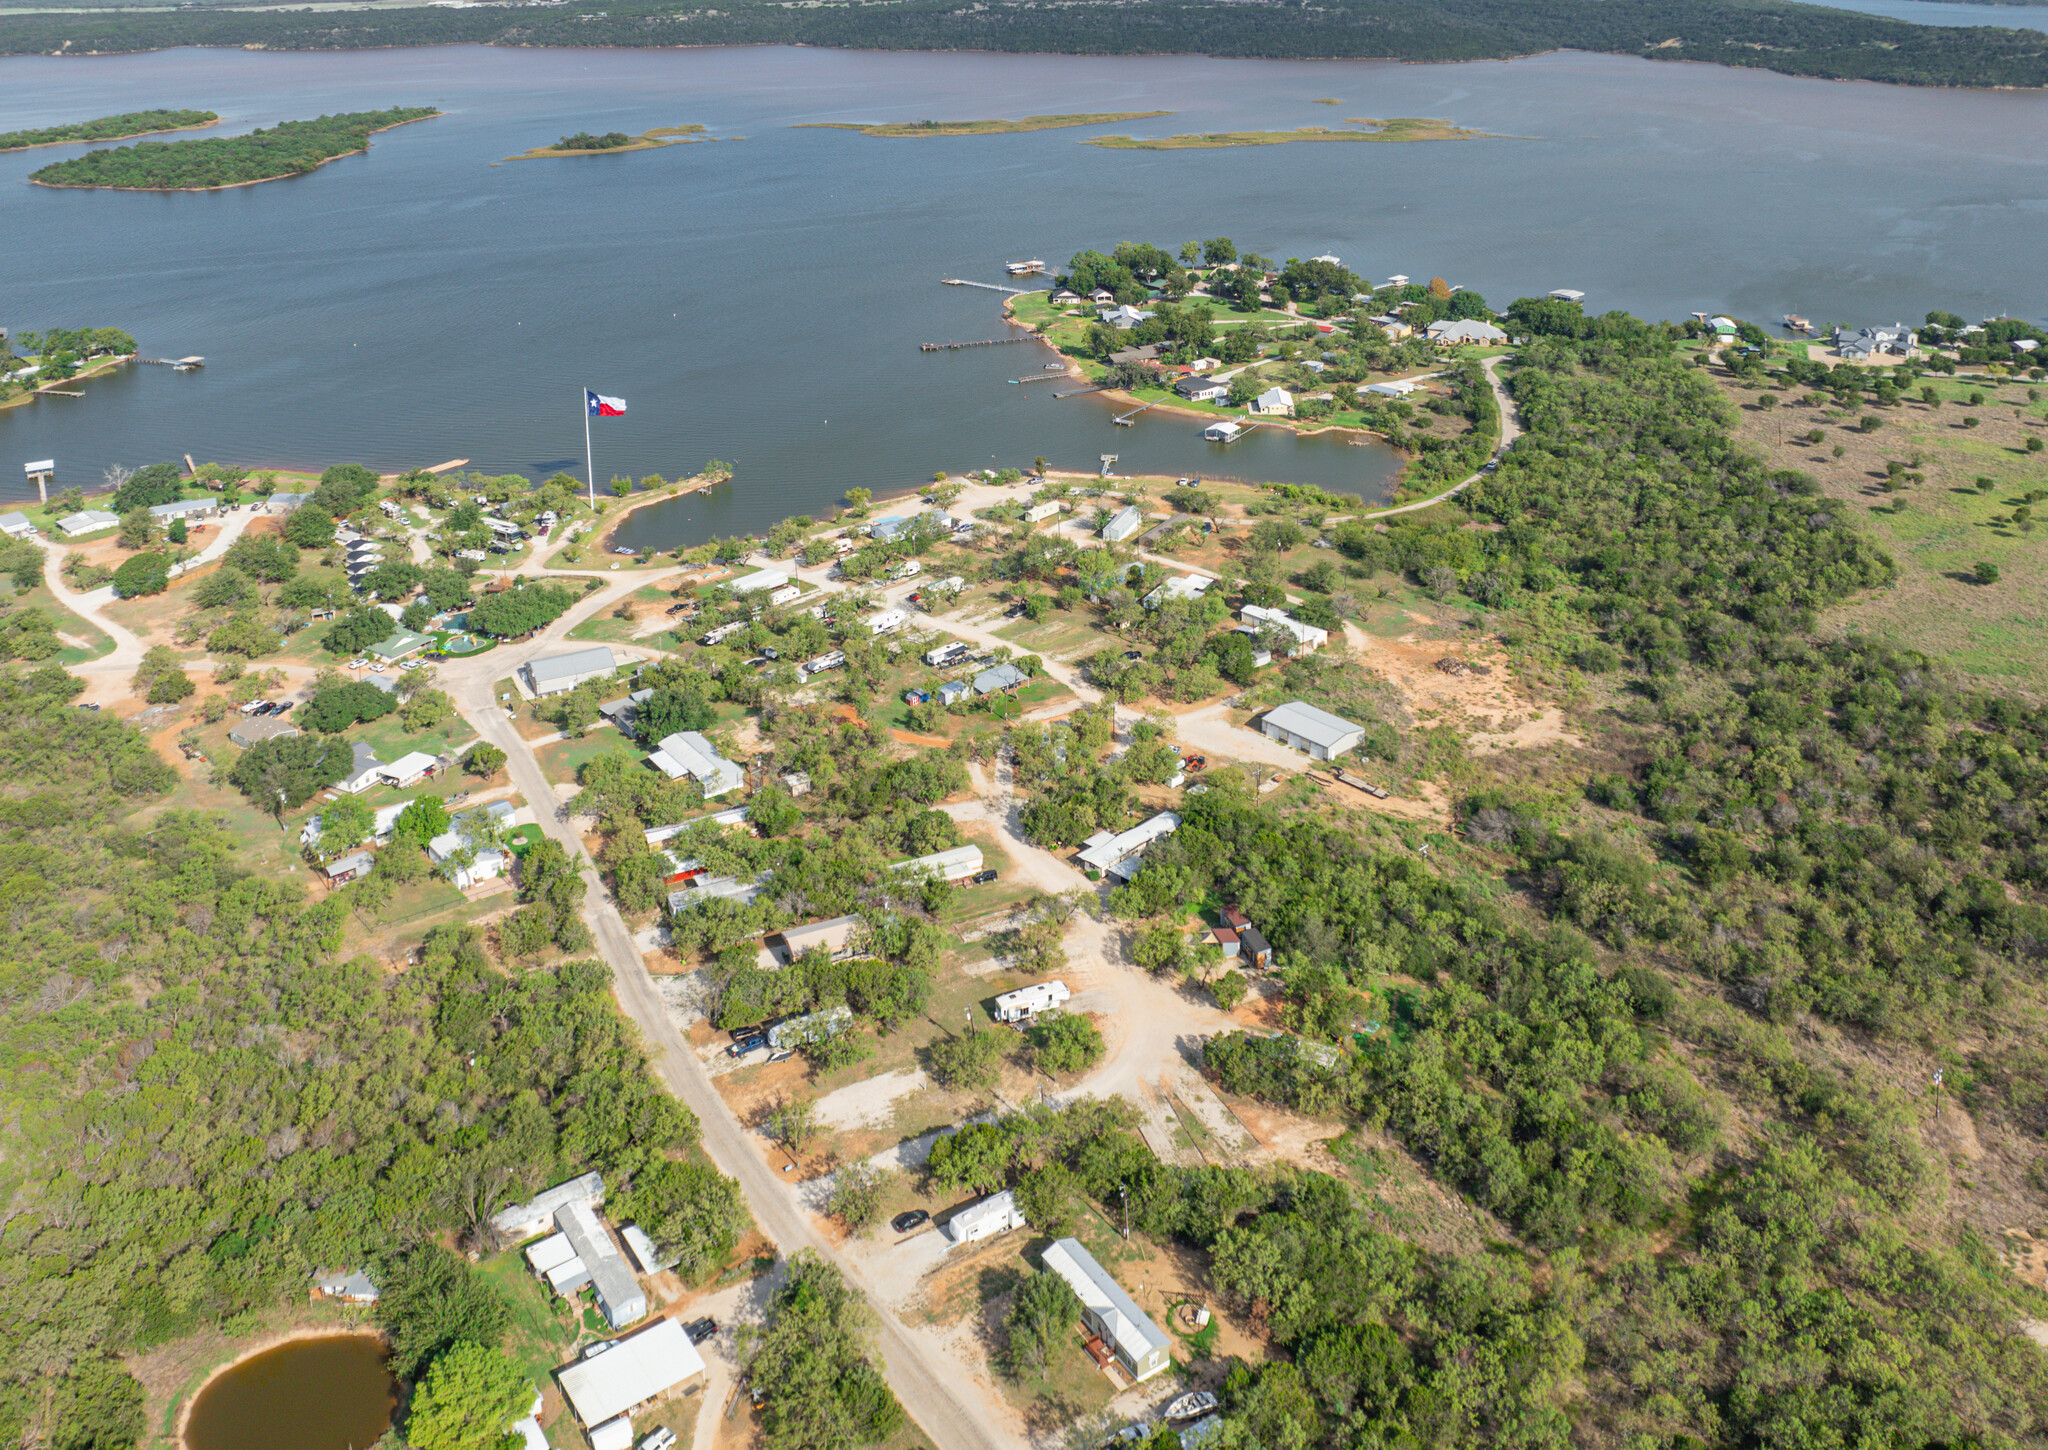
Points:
x=589 y=470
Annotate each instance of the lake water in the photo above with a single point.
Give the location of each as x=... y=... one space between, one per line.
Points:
x=331 y=1393
x=420 y=303
x=1945 y=12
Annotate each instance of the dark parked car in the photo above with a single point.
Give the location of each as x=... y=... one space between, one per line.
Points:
x=903 y=1223
x=982 y=878
x=700 y=1330
x=752 y=1042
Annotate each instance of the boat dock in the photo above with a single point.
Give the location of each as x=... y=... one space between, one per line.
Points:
x=987 y=286
x=175 y=364
x=1795 y=323
x=1042 y=378
x=1123 y=420
x=983 y=342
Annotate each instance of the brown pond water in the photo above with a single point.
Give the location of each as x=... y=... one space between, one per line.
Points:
x=332 y=1393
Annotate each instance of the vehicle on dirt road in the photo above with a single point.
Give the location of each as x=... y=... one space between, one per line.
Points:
x=904 y=1222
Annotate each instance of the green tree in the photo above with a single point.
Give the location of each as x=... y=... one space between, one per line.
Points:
x=98 y=1406
x=142 y=574
x=428 y=1300
x=1985 y=572
x=282 y=773
x=269 y=557
x=484 y=759
x=814 y=1360
x=309 y=526
x=856 y=1199
x=176 y=533
x=468 y=1400
x=423 y=818
x=1043 y=1313
x=694 y=1214
x=973 y=1059
x=356 y=631
x=156 y=483
x=1066 y=1042
x=344 y=825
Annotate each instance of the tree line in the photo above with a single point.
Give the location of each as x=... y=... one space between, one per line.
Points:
x=290 y=148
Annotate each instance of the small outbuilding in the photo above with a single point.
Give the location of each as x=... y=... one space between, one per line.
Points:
x=984 y=1219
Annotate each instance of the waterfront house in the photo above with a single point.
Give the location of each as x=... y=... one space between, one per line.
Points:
x=16 y=525
x=1274 y=402
x=1124 y=317
x=1126 y=522
x=1302 y=726
x=1198 y=389
x=1461 y=333
x=185 y=508
x=1567 y=294
x=1061 y=297
x=1898 y=340
x=1102 y=294
x=87 y=521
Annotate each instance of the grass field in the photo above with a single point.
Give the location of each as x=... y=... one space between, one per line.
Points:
x=561 y=759
x=1938 y=530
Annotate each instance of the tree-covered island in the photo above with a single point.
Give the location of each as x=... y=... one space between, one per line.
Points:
x=291 y=148
x=107 y=128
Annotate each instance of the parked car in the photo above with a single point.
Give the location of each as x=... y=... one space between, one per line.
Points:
x=592 y=1351
x=1013 y=611
x=659 y=1439
x=982 y=878
x=904 y=1222
x=1132 y=654
x=700 y=1330
x=741 y=1046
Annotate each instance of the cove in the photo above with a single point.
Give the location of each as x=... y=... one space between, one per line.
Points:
x=329 y=1393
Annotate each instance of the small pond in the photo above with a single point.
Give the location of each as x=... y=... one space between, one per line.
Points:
x=331 y=1393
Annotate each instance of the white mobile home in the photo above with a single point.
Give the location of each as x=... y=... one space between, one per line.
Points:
x=996 y=1214
x=1030 y=1001
x=1139 y=1345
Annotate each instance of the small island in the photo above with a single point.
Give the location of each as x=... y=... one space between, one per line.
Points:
x=124 y=127
x=979 y=128
x=291 y=148
x=1401 y=128
x=614 y=142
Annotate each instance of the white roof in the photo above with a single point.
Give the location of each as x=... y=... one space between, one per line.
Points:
x=86 y=520
x=1320 y=726
x=636 y=1368
x=688 y=753
x=609 y=1273
x=1103 y=854
x=178 y=507
x=1124 y=524
x=531 y=1436
x=760 y=579
x=1303 y=633
x=412 y=763
x=521 y=1218
x=1097 y=1291
x=1036 y=997
x=1182 y=586
x=1466 y=331
x=613 y=1434
x=1276 y=398
x=576 y=662
x=1395 y=388
x=948 y=865
x=550 y=1253
x=14 y=521
x=997 y=1207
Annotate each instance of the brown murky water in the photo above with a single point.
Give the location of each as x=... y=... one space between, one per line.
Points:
x=311 y=1394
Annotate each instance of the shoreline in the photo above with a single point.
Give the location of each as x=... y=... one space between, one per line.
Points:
x=362 y=150
x=56 y=385
x=161 y=131
x=263 y=1345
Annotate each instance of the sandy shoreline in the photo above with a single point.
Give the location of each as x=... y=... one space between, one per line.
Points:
x=261 y=1346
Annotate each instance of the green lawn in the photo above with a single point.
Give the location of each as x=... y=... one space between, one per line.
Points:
x=561 y=759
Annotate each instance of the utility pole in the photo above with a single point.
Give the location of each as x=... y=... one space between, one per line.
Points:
x=1125 y=1190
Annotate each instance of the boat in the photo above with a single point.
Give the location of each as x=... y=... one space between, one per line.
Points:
x=1191 y=1406
x=623 y=549
x=1797 y=324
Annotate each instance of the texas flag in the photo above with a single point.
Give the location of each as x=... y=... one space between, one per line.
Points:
x=602 y=407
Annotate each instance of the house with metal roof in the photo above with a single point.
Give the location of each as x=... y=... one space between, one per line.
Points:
x=16 y=525
x=952 y=692
x=1000 y=678
x=984 y=1218
x=348 y=868
x=633 y=1370
x=1223 y=432
x=409 y=769
x=1304 y=727
x=1116 y=854
x=364 y=771
x=836 y=936
x=1274 y=403
x=1139 y=1345
x=1306 y=636
x=404 y=643
x=955 y=865
x=1182 y=586
x=688 y=753
x=1127 y=522
x=1864 y=343
x=1457 y=334
x=1198 y=389
x=185 y=508
x=557 y=673
x=619 y=1295
x=522 y=1221
x=87 y=521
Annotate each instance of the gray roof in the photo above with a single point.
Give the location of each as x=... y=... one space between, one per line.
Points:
x=541 y=1209
x=16 y=520
x=179 y=507
x=263 y=727
x=610 y=1276
x=1128 y=1325
x=576 y=662
x=1002 y=677
x=1297 y=717
x=86 y=520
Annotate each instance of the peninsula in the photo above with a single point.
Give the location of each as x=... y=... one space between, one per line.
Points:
x=979 y=128
x=1401 y=128
x=291 y=148
x=124 y=127
x=614 y=143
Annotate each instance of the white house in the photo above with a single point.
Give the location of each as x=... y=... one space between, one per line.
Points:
x=619 y=1295
x=1029 y=1001
x=408 y=770
x=364 y=771
x=555 y=674
x=1125 y=317
x=1140 y=1346
x=1306 y=636
x=185 y=508
x=688 y=753
x=770 y=579
x=1567 y=294
x=1197 y=389
x=522 y=1221
x=996 y=1214
x=1274 y=402
x=887 y=620
x=16 y=525
x=87 y=521
x=1303 y=726
x=634 y=1370
x=1184 y=586
x=1393 y=388
x=1127 y=521
x=1035 y=514
x=1116 y=853
x=486 y=865
x=958 y=864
